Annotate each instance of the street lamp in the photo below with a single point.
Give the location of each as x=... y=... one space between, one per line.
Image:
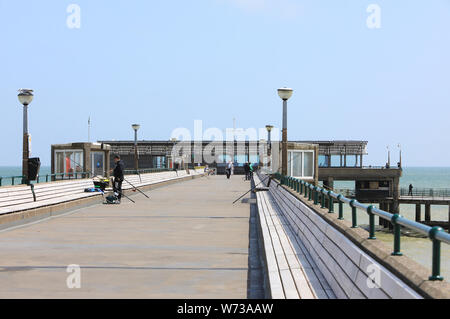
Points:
x=269 y=144
x=25 y=97
x=135 y=128
x=388 y=165
x=285 y=94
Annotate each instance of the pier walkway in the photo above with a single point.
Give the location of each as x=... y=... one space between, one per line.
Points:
x=190 y=241
x=187 y=241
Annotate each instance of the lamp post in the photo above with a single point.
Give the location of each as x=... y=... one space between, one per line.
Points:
x=388 y=165
x=135 y=128
x=269 y=144
x=25 y=97
x=284 y=94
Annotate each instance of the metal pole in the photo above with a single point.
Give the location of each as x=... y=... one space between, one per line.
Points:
x=269 y=149
x=26 y=147
x=284 y=169
x=135 y=152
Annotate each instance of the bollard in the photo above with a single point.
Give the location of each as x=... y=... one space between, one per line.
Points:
x=371 y=222
x=436 y=267
x=316 y=196
x=310 y=193
x=354 y=216
x=397 y=235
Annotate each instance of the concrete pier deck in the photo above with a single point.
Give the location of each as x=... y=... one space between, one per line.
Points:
x=187 y=241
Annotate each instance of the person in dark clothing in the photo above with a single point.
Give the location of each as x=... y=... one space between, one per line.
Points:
x=247 y=171
x=229 y=169
x=118 y=176
x=410 y=193
x=251 y=169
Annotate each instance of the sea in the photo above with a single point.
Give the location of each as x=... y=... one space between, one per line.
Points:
x=416 y=248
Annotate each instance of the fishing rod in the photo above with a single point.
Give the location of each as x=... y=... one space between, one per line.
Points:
x=252 y=189
x=90 y=172
x=136 y=189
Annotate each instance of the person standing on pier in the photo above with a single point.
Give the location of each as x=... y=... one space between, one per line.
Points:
x=251 y=169
x=229 y=169
x=247 y=171
x=118 y=177
x=410 y=193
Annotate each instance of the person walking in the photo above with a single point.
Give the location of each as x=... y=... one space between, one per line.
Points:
x=410 y=191
x=251 y=168
x=229 y=169
x=247 y=171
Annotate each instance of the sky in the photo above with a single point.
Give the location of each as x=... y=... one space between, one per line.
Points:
x=165 y=64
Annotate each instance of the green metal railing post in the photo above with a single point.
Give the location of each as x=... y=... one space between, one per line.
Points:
x=397 y=235
x=436 y=267
x=316 y=195
x=322 y=199
x=371 y=222
x=301 y=187
x=310 y=191
x=341 y=207
x=354 y=216
x=331 y=203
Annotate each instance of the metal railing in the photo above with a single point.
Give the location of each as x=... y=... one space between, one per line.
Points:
x=17 y=180
x=320 y=196
x=146 y=171
x=358 y=166
x=12 y=178
x=433 y=193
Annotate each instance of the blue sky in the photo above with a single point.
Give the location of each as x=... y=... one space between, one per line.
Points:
x=165 y=64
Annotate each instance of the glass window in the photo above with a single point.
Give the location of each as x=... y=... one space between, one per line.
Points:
x=323 y=161
x=59 y=162
x=309 y=164
x=297 y=164
x=301 y=163
x=68 y=162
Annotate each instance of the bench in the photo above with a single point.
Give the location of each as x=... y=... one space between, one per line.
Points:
x=339 y=262
x=20 y=198
x=291 y=272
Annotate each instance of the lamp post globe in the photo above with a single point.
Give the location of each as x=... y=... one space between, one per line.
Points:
x=25 y=97
x=285 y=94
